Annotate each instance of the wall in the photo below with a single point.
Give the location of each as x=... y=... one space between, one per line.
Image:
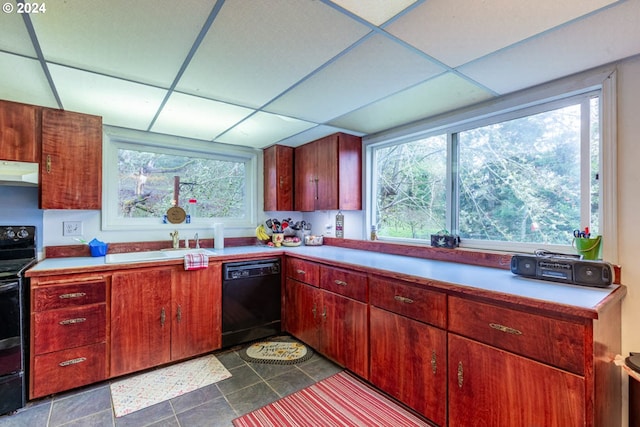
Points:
x=629 y=201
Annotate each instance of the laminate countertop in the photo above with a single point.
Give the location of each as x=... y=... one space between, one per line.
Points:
x=456 y=277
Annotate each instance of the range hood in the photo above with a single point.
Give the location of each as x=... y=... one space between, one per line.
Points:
x=18 y=173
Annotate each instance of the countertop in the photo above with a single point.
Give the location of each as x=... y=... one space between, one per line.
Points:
x=468 y=278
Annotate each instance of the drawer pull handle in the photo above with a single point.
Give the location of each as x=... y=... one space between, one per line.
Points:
x=434 y=362
x=301 y=271
x=73 y=321
x=460 y=374
x=505 y=329
x=324 y=313
x=48 y=163
x=72 y=362
x=403 y=299
x=179 y=315
x=340 y=282
x=72 y=295
x=163 y=316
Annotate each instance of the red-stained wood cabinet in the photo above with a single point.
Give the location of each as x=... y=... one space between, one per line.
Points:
x=278 y=178
x=328 y=174
x=19 y=132
x=71 y=160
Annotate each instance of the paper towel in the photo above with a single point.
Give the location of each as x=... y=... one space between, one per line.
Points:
x=218 y=236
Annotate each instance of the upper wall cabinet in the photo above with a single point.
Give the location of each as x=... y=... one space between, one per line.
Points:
x=71 y=163
x=328 y=174
x=278 y=178
x=19 y=132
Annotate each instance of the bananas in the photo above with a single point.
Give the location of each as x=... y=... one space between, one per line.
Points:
x=261 y=233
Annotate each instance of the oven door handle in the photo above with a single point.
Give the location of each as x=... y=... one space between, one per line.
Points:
x=7 y=287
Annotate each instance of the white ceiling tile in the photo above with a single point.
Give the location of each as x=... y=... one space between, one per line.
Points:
x=199 y=118
x=375 y=11
x=24 y=81
x=264 y=129
x=13 y=33
x=257 y=49
x=142 y=40
x=458 y=31
x=119 y=102
x=605 y=37
x=314 y=133
x=439 y=95
x=374 y=69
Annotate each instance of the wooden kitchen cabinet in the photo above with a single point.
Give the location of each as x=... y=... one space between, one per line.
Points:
x=333 y=324
x=19 y=132
x=400 y=336
x=328 y=174
x=68 y=333
x=278 y=178
x=162 y=314
x=71 y=161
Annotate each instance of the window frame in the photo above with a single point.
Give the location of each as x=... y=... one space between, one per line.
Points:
x=115 y=139
x=601 y=81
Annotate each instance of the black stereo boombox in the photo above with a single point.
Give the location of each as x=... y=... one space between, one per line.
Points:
x=565 y=270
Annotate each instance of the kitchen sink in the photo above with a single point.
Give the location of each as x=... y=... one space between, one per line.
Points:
x=153 y=255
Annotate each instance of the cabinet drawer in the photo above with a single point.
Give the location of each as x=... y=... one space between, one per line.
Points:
x=303 y=271
x=556 y=342
x=70 y=295
x=59 y=329
x=344 y=282
x=410 y=301
x=67 y=369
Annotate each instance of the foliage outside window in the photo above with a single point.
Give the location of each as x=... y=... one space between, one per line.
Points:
x=528 y=176
x=149 y=183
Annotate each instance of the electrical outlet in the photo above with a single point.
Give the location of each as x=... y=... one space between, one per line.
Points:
x=72 y=228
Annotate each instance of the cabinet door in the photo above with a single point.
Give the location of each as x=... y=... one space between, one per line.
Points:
x=305 y=178
x=278 y=178
x=302 y=312
x=492 y=387
x=327 y=173
x=71 y=168
x=344 y=332
x=196 y=312
x=420 y=349
x=140 y=319
x=19 y=132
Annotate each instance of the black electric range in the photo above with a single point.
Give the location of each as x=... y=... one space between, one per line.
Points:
x=18 y=252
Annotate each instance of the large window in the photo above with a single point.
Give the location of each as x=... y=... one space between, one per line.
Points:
x=143 y=179
x=529 y=176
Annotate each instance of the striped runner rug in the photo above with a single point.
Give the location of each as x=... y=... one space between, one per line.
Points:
x=340 y=400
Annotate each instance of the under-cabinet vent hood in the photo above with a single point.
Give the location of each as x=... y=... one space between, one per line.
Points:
x=18 y=173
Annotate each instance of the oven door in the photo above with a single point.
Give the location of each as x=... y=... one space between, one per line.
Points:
x=10 y=327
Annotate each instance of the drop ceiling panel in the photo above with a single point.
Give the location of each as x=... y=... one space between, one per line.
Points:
x=264 y=129
x=458 y=31
x=24 y=81
x=13 y=33
x=312 y=134
x=119 y=102
x=608 y=36
x=194 y=117
x=257 y=49
x=372 y=70
x=142 y=40
x=439 y=95
x=375 y=11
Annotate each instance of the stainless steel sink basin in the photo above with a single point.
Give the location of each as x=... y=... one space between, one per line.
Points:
x=153 y=255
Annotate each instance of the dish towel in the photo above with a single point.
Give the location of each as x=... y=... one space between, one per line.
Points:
x=196 y=261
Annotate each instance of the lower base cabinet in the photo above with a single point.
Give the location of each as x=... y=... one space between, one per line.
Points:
x=492 y=387
x=408 y=361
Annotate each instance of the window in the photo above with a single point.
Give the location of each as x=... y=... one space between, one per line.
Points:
x=144 y=179
x=522 y=178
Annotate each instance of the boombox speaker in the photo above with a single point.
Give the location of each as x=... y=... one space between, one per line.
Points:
x=566 y=270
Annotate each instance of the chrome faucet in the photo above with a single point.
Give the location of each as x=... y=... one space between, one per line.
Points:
x=175 y=237
x=197 y=241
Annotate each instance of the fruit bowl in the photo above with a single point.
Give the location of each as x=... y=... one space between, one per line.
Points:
x=291 y=241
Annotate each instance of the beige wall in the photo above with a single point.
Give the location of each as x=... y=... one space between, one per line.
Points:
x=629 y=204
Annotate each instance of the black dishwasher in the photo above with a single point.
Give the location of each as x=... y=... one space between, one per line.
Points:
x=250 y=300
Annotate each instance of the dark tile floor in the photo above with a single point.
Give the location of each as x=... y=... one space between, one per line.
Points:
x=251 y=386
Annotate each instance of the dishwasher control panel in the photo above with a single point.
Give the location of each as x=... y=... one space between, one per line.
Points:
x=244 y=270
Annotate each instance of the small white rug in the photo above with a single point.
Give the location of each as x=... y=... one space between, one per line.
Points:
x=144 y=390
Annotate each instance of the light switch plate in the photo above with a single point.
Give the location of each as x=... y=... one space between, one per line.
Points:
x=72 y=228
